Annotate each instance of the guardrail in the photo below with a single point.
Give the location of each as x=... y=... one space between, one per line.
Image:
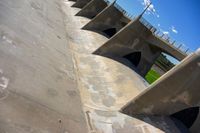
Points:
x=107 y=1
x=123 y=11
x=181 y=47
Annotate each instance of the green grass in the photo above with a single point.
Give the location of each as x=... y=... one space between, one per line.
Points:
x=152 y=76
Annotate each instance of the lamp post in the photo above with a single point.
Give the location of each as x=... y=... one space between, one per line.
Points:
x=140 y=16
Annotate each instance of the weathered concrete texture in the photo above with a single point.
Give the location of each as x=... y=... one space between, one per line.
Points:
x=80 y=3
x=93 y=8
x=176 y=90
x=115 y=122
x=105 y=85
x=51 y=83
x=38 y=87
x=109 y=18
x=135 y=37
x=166 y=47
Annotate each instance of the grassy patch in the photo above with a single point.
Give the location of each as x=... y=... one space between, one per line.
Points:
x=152 y=76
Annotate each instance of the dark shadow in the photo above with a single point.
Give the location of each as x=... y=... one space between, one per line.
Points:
x=128 y=60
x=106 y=33
x=79 y=4
x=110 y=32
x=134 y=58
x=153 y=120
x=86 y=16
x=187 y=116
x=91 y=17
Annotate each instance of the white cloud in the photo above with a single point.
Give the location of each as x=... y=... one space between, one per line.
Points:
x=151 y=8
x=198 y=50
x=174 y=30
x=166 y=32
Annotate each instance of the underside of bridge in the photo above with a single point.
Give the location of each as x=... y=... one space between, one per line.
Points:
x=108 y=22
x=78 y=66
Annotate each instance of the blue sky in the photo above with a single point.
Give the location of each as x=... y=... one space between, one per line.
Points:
x=180 y=19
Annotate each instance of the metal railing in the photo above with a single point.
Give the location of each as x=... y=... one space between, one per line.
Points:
x=128 y=15
x=107 y=1
x=181 y=47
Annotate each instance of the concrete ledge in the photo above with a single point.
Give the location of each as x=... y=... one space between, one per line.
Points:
x=109 y=18
x=129 y=40
x=175 y=91
x=136 y=37
x=81 y=3
x=167 y=48
x=93 y=8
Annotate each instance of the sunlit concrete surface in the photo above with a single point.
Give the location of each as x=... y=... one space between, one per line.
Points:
x=38 y=86
x=106 y=85
x=50 y=82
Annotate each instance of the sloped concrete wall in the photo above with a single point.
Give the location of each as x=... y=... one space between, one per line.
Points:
x=110 y=17
x=175 y=91
x=93 y=8
x=38 y=85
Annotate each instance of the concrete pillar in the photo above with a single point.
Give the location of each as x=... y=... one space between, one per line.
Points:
x=80 y=3
x=176 y=90
x=129 y=40
x=147 y=60
x=93 y=8
x=167 y=47
x=135 y=36
x=125 y=40
x=110 y=17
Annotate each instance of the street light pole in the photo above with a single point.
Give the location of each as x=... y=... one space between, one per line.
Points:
x=140 y=16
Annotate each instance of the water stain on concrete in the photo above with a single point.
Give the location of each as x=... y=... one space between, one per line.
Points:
x=52 y=92
x=109 y=101
x=3 y=85
x=72 y=93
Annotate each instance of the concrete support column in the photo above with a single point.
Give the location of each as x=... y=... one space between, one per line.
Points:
x=129 y=40
x=80 y=3
x=125 y=40
x=147 y=60
x=110 y=17
x=93 y=8
x=176 y=90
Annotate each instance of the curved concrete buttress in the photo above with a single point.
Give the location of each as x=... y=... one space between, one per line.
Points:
x=80 y=3
x=109 y=18
x=93 y=8
x=50 y=82
x=105 y=85
x=173 y=92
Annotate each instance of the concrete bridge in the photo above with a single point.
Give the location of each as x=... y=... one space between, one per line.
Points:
x=137 y=40
x=51 y=82
x=130 y=38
